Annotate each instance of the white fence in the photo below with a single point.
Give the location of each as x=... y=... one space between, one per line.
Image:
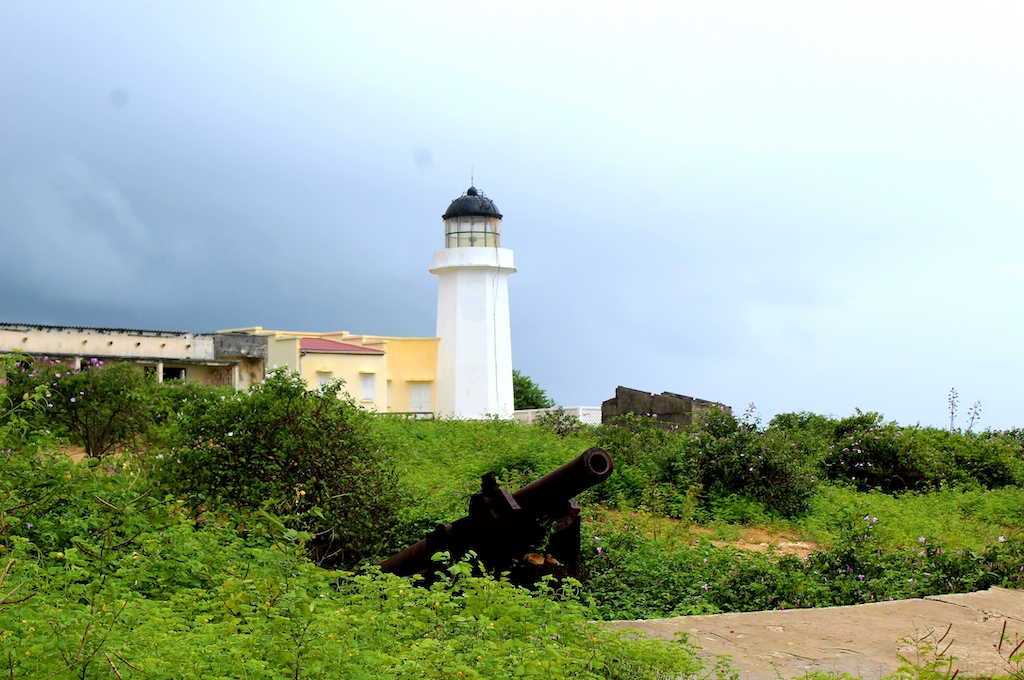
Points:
x=588 y=415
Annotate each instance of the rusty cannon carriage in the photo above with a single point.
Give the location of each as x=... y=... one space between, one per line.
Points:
x=529 y=534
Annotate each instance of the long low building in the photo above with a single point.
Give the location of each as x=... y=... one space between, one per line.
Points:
x=235 y=359
x=381 y=373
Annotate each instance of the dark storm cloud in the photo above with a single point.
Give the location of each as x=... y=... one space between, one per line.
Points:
x=753 y=206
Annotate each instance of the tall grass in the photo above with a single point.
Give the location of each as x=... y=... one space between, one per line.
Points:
x=970 y=519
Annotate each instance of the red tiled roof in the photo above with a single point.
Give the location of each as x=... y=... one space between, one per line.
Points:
x=321 y=345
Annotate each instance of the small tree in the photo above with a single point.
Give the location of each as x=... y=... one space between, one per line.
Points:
x=102 y=407
x=305 y=454
x=528 y=394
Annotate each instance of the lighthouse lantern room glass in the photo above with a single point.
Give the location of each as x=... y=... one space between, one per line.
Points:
x=472 y=221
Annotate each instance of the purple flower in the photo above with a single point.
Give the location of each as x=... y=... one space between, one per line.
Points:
x=921 y=540
x=28 y=525
x=72 y=400
x=705 y=586
x=860 y=577
x=599 y=551
x=1002 y=538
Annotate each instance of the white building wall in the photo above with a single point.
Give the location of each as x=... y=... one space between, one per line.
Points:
x=588 y=415
x=474 y=363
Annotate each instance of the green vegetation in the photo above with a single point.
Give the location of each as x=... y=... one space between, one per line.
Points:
x=528 y=394
x=103 y=573
x=644 y=561
x=99 y=407
x=193 y=542
x=308 y=457
x=631 y=574
x=720 y=458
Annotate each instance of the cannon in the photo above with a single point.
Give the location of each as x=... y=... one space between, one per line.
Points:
x=506 y=529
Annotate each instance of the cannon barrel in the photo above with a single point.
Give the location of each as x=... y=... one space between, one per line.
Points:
x=494 y=510
x=589 y=469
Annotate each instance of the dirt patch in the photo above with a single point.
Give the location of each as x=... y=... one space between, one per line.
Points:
x=798 y=548
x=75 y=453
x=759 y=539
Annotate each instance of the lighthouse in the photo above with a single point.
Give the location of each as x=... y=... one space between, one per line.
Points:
x=474 y=361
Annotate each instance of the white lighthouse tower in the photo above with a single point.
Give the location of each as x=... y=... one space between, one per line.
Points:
x=474 y=363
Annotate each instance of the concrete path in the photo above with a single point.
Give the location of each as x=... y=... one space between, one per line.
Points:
x=862 y=640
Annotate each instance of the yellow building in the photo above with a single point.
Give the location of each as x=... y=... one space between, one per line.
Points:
x=381 y=373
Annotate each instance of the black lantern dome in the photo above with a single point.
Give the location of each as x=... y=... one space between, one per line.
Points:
x=471 y=203
x=472 y=221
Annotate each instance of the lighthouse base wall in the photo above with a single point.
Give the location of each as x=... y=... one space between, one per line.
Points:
x=474 y=363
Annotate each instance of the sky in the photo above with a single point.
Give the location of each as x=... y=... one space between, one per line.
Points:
x=805 y=206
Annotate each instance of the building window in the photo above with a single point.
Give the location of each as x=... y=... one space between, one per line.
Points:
x=419 y=397
x=389 y=392
x=173 y=373
x=366 y=384
x=323 y=380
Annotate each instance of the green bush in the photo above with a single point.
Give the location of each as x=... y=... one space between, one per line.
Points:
x=170 y=401
x=648 y=457
x=737 y=458
x=719 y=454
x=101 y=406
x=18 y=407
x=869 y=454
x=811 y=432
x=308 y=455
